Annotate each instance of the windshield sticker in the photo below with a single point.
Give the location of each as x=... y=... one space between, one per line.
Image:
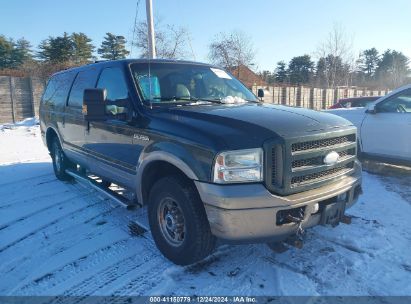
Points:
x=221 y=73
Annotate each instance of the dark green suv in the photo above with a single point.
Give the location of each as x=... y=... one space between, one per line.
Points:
x=200 y=150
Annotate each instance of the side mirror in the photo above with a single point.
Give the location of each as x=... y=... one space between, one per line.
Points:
x=372 y=109
x=260 y=93
x=94 y=104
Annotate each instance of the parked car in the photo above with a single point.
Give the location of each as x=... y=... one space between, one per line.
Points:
x=206 y=157
x=384 y=126
x=354 y=102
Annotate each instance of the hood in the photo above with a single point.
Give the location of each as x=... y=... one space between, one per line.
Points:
x=251 y=122
x=354 y=115
x=283 y=120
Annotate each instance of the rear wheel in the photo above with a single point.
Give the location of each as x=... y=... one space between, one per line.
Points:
x=60 y=161
x=178 y=221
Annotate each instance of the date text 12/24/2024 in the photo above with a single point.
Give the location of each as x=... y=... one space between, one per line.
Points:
x=202 y=299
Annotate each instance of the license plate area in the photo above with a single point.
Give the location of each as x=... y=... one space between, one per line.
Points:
x=333 y=213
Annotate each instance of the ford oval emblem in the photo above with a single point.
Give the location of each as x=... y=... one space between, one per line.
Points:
x=331 y=158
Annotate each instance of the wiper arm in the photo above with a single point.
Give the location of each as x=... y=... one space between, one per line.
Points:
x=194 y=99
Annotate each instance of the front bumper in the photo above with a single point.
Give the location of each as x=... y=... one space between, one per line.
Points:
x=247 y=212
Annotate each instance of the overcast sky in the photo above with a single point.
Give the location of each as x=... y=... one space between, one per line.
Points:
x=279 y=29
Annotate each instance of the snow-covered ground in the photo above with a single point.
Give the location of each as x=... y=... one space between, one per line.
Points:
x=65 y=239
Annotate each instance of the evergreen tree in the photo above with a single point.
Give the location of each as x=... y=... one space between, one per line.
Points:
x=22 y=52
x=58 y=49
x=331 y=72
x=281 y=72
x=369 y=60
x=6 y=51
x=113 y=47
x=300 y=69
x=83 y=48
x=393 y=69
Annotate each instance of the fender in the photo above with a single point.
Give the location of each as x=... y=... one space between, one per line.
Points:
x=160 y=156
x=55 y=131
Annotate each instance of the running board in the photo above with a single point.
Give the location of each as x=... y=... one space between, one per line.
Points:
x=111 y=194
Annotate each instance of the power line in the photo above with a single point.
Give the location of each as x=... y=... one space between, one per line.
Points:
x=134 y=28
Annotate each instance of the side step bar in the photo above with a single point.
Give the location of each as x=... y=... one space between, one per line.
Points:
x=111 y=194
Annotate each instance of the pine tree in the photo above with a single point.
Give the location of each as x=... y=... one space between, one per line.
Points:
x=369 y=60
x=393 y=69
x=22 y=52
x=6 y=51
x=58 y=49
x=83 y=49
x=281 y=72
x=113 y=47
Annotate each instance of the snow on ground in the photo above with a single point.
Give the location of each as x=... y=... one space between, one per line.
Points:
x=65 y=239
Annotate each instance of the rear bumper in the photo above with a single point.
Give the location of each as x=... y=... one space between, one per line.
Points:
x=247 y=213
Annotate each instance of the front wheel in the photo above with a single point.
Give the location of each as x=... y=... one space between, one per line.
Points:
x=178 y=221
x=60 y=161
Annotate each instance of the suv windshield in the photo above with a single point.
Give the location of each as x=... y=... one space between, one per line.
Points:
x=188 y=83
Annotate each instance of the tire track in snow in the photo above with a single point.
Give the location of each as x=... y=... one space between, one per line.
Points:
x=25 y=289
x=70 y=255
x=41 y=191
x=23 y=180
x=16 y=233
x=118 y=213
x=52 y=234
x=14 y=216
x=76 y=273
x=116 y=273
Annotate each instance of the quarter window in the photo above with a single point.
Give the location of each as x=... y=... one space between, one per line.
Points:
x=58 y=88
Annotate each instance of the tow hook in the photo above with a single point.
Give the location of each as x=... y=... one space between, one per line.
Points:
x=298 y=220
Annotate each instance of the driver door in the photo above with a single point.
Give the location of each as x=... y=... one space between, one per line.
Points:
x=112 y=152
x=388 y=131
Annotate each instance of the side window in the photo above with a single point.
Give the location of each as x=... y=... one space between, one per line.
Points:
x=84 y=80
x=400 y=103
x=112 y=79
x=58 y=88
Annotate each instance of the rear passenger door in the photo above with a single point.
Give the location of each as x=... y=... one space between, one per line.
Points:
x=110 y=143
x=75 y=125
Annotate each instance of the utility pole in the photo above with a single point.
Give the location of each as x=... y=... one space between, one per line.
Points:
x=150 y=26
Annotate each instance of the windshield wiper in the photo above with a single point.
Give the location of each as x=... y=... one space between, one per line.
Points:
x=193 y=99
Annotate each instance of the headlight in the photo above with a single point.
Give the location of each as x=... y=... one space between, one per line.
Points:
x=239 y=166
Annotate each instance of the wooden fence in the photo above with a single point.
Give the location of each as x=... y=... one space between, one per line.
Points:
x=312 y=98
x=19 y=98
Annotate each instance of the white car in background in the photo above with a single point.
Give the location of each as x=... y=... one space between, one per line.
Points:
x=384 y=126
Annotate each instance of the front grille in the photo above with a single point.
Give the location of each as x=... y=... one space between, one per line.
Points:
x=300 y=180
x=299 y=164
x=322 y=143
x=318 y=161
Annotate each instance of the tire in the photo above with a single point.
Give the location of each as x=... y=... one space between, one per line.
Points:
x=60 y=161
x=175 y=204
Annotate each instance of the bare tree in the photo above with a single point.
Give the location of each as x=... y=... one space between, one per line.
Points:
x=335 y=58
x=172 y=42
x=232 y=50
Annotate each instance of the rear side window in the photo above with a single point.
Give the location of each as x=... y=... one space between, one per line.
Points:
x=84 y=80
x=112 y=79
x=58 y=88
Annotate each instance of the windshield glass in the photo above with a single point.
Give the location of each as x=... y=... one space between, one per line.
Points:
x=188 y=83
